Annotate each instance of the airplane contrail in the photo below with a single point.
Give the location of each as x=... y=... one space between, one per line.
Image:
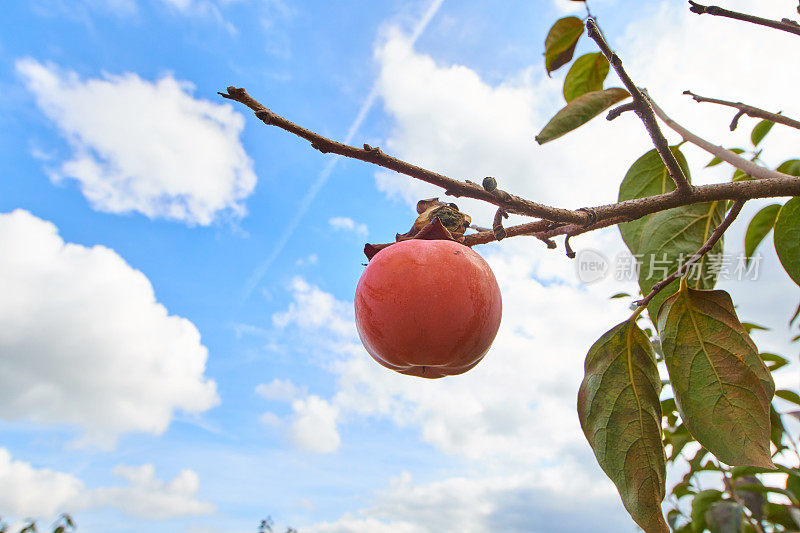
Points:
x=322 y=178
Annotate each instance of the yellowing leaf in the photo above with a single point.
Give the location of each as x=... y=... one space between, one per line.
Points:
x=620 y=413
x=586 y=75
x=559 y=45
x=580 y=111
x=722 y=387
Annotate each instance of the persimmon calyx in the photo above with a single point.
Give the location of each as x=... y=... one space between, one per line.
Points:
x=436 y=221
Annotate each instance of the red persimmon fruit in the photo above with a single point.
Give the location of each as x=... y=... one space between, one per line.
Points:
x=428 y=308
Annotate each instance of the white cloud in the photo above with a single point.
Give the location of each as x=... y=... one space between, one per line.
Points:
x=148 y=147
x=279 y=390
x=516 y=407
x=348 y=224
x=540 y=501
x=314 y=425
x=270 y=419
x=27 y=491
x=85 y=342
x=314 y=308
x=147 y=497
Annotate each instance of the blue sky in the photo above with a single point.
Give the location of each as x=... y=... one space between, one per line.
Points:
x=178 y=339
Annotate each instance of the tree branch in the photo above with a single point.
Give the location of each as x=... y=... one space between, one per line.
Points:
x=642 y=109
x=557 y=221
x=741 y=163
x=374 y=155
x=712 y=240
x=785 y=24
x=749 y=110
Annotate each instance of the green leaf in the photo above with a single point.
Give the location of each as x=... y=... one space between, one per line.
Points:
x=776 y=360
x=701 y=504
x=619 y=295
x=580 y=111
x=678 y=440
x=716 y=161
x=586 y=75
x=724 y=517
x=760 y=131
x=723 y=389
x=749 y=327
x=648 y=176
x=740 y=471
x=672 y=518
x=776 y=428
x=741 y=175
x=759 y=227
x=684 y=488
x=791 y=167
x=788 y=395
x=669 y=238
x=793 y=485
x=620 y=414
x=669 y=409
x=787 y=238
x=559 y=45
x=794 y=317
x=779 y=514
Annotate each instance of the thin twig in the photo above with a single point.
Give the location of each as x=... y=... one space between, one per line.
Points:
x=785 y=24
x=569 y=220
x=709 y=244
x=642 y=109
x=617 y=111
x=749 y=110
x=748 y=167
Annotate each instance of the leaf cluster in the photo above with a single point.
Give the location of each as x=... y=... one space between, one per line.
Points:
x=715 y=413
x=721 y=403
